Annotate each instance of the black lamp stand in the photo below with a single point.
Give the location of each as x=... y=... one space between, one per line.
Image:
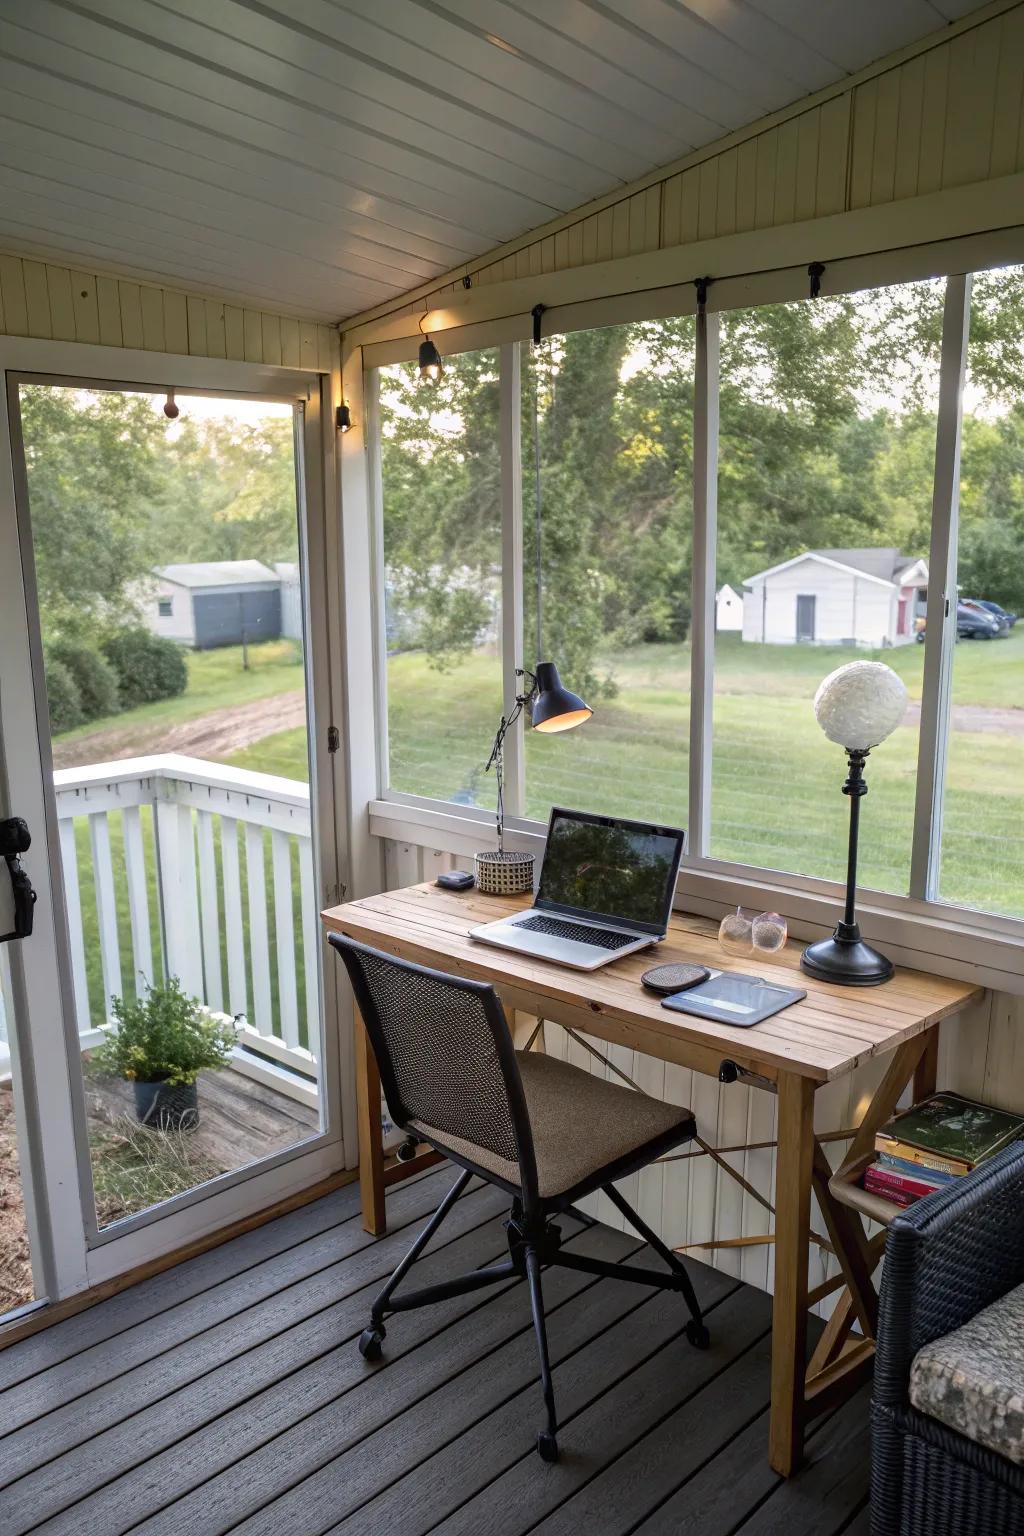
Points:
x=845 y=958
x=497 y=757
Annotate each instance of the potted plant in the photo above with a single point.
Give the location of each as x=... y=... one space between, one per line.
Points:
x=160 y=1043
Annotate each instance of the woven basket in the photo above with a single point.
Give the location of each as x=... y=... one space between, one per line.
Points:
x=504 y=874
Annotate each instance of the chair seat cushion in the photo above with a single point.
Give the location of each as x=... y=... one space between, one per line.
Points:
x=581 y=1125
x=972 y=1380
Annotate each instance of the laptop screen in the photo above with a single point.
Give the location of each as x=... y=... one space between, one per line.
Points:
x=599 y=866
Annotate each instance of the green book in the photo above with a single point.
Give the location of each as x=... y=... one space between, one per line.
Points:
x=950 y=1128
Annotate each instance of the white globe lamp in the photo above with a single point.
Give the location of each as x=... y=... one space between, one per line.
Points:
x=857 y=706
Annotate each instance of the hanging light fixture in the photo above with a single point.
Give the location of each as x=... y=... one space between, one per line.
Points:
x=343 y=419
x=431 y=371
x=171 y=410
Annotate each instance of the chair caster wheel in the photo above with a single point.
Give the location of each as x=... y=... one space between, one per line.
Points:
x=370 y=1341
x=547 y=1445
x=698 y=1335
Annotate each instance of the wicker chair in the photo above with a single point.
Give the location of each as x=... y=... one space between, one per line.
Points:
x=946 y=1258
x=544 y=1131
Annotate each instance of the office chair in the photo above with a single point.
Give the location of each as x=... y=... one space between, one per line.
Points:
x=545 y=1132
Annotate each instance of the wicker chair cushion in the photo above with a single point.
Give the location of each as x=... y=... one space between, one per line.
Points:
x=580 y=1124
x=972 y=1380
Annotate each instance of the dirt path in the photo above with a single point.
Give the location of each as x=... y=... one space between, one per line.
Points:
x=222 y=731
x=214 y=735
x=976 y=717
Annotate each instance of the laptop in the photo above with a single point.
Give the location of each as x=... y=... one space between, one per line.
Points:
x=606 y=889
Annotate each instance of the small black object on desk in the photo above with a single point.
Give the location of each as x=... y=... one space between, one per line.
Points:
x=663 y=980
x=455 y=880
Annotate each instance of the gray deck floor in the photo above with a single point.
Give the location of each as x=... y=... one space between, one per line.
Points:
x=227 y=1394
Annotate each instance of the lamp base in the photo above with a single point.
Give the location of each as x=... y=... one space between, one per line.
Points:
x=504 y=874
x=846 y=960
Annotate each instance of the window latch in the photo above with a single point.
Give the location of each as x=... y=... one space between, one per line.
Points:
x=333 y=738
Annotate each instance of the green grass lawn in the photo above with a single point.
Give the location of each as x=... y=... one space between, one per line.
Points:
x=776 y=800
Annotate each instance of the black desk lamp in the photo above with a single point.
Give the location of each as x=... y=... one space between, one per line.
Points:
x=857 y=706
x=553 y=708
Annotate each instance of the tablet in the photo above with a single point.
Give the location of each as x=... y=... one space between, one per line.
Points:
x=734 y=999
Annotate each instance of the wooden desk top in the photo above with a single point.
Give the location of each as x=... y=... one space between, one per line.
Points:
x=827 y=1034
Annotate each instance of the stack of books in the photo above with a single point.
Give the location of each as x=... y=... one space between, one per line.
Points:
x=935 y=1143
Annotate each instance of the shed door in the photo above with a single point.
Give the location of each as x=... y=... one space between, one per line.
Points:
x=805 y=606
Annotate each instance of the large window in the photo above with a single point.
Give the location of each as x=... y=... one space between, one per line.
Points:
x=832 y=502
x=607 y=445
x=441 y=492
x=982 y=861
x=827 y=439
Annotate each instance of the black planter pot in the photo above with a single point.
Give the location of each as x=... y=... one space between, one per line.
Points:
x=167 y=1107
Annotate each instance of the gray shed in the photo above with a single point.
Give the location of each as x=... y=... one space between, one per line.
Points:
x=215 y=602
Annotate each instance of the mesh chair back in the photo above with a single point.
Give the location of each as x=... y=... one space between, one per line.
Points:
x=444 y=1051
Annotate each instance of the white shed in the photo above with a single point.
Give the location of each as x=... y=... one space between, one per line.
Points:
x=857 y=597
x=728 y=608
x=291 y=599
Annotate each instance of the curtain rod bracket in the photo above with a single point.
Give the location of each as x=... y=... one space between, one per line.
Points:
x=702 y=284
x=816 y=272
x=537 y=312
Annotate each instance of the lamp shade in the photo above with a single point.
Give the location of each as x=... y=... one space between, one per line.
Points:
x=555 y=708
x=859 y=705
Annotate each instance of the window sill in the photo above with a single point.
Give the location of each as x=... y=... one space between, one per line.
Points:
x=968 y=947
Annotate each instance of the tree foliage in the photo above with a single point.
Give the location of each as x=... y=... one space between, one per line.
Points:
x=827 y=439
x=115 y=489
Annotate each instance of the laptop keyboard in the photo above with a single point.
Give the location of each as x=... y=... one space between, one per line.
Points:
x=603 y=938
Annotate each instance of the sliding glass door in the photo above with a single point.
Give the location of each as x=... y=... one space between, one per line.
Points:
x=162 y=544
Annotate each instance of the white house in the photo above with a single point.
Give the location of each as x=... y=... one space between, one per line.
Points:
x=862 y=597
x=212 y=602
x=728 y=608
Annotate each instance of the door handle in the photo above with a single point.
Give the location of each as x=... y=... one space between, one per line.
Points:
x=15 y=839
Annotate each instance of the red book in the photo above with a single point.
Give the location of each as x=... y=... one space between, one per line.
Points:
x=901 y=1188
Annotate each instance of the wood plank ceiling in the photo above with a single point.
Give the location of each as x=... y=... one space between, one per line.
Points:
x=317 y=157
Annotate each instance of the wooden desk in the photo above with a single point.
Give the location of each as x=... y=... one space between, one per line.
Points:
x=827 y=1035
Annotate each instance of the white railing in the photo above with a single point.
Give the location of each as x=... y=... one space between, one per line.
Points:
x=180 y=845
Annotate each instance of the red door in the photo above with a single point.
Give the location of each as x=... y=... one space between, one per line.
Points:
x=901 y=617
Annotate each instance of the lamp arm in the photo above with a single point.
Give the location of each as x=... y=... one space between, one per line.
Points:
x=496 y=759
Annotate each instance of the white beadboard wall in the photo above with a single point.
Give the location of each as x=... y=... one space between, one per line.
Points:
x=692 y=1201
x=63 y=304
x=939 y=115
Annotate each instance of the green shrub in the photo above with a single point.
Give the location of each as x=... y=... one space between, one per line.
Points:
x=148 y=667
x=93 y=675
x=164 y=1037
x=62 y=697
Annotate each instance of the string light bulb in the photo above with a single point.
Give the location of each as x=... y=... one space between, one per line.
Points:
x=171 y=410
x=431 y=371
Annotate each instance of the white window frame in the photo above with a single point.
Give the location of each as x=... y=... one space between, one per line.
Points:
x=918 y=927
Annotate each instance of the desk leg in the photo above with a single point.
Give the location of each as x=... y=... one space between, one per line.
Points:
x=794 y=1165
x=926 y=1071
x=371 y=1148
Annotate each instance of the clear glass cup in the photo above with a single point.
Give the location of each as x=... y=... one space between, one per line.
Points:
x=734 y=932
x=769 y=932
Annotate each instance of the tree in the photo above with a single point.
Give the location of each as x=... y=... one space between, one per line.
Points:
x=94 y=475
x=228 y=491
x=442 y=503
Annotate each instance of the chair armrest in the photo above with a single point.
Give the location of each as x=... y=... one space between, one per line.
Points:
x=947 y=1257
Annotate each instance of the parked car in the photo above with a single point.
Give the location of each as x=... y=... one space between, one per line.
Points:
x=972 y=623
x=1008 y=620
